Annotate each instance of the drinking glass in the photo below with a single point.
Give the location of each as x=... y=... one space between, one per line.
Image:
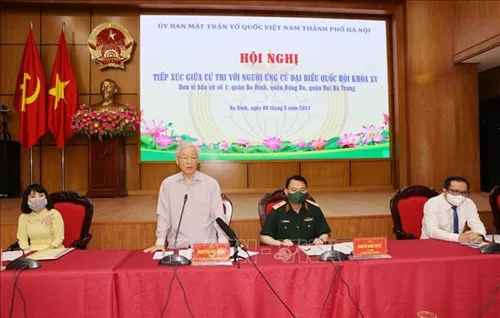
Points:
x=426 y=314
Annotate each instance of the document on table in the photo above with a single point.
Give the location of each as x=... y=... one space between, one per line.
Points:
x=242 y=253
x=315 y=250
x=186 y=253
x=474 y=245
x=50 y=253
x=11 y=255
x=161 y=254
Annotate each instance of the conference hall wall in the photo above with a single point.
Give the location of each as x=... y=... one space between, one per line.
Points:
x=433 y=101
x=255 y=176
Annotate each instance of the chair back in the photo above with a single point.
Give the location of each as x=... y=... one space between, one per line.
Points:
x=495 y=206
x=227 y=205
x=77 y=212
x=407 y=210
x=265 y=204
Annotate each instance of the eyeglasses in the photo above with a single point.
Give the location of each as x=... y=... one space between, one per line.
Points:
x=458 y=192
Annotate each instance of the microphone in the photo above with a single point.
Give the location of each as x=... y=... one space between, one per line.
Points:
x=491 y=248
x=176 y=259
x=332 y=254
x=180 y=220
x=230 y=233
x=23 y=263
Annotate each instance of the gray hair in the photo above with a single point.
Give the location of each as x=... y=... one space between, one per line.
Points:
x=184 y=146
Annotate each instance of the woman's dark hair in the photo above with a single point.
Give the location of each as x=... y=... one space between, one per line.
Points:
x=296 y=177
x=25 y=208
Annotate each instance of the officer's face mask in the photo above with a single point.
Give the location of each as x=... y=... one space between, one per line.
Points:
x=297 y=197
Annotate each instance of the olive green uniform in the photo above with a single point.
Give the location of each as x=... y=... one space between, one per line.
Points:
x=303 y=227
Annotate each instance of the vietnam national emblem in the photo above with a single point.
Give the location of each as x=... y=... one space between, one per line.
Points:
x=110 y=45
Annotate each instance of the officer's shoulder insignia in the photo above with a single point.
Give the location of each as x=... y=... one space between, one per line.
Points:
x=312 y=203
x=279 y=204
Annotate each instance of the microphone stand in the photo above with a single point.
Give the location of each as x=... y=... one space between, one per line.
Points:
x=236 y=257
x=176 y=259
x=332 y=255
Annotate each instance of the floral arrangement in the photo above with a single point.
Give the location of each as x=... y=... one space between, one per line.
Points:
x=158 y=135
x=105 y=123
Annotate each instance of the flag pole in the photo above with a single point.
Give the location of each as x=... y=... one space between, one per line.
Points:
x=31 y=148
x=63 y=168
x=31 y=165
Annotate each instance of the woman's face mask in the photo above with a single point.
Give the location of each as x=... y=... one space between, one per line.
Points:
x=37 y=201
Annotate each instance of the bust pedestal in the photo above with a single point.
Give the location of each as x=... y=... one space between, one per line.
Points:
x=106 y=168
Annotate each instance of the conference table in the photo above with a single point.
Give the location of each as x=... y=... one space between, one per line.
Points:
x=80 y=284
x=446 y=278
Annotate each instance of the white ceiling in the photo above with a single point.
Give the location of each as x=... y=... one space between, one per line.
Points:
x=486 y=60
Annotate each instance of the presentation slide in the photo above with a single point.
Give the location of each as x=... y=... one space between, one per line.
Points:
x=263 y=88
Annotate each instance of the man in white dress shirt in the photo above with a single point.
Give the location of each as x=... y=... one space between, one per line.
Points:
x=203 y=204
x=445 y=215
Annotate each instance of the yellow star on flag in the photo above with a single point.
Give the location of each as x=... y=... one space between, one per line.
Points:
x=58 y=90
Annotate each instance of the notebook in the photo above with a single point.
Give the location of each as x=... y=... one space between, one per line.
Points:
x=50 y=254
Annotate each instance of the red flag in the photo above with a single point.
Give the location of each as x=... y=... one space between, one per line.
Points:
x=30 y=98
x=63 y=97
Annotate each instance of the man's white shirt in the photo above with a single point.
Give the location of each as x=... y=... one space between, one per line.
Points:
x=437 y=222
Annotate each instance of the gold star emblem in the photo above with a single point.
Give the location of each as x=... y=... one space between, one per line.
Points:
x=111 y=35
x=58 y=90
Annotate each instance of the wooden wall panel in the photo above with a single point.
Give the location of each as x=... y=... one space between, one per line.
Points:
x=76 y=167
x=25 y=166
x=326 y=174
x=11 y=60
x=370 y=173
x=442 y=103
x=124 y=235
x=139 y=235
x=132 y=170
x=15 y=24
x=476 y=27
x=399 y=115
x=51 y=168
x=153 y=174
x=77 y=26
x=271 y=175
x=489 y=83
x=466 y=115
x=230 y=175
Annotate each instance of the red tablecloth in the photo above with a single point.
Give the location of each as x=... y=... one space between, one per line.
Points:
x=224 y=291
x=79 y=284
x=446 y=278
